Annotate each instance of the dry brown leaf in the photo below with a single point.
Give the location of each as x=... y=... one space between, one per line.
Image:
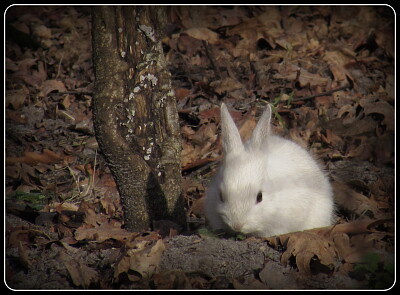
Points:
x=109 y=204
x=206 y=132
x=384 y=149
x=308 y=245
x=199 y=145
x=188 y=154
x=247 y=125
x=337 y=61
x=42 y=31
x=379 y=107
x=144 y=259
x=173 y=279
x=33 y=158
x=203 y=34
x=300 y=136
x=17 y=97
x=23 y=255
x=11 y=65
x=266 y=24
x=24 y=66
x=187 y=131
x=365 y=225
x=366 y=125
x=292 y=72
x=342 y=243
x=94 y=219
x=197 y=207
x=51 y=85
x=181 y=93
x=41 y=72
x=354 y=201
x=103 y=232
x=212 y=114
x=226 y=85
x=81 y=274
x=59 y=207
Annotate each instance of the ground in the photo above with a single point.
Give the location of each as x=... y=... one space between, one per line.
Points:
x=328 y=73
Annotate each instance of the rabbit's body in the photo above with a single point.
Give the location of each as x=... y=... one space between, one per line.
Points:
x=268 y=186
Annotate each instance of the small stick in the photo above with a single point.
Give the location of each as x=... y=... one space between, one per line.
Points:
x=212 y=60
x=348 y=85
x=71 y=92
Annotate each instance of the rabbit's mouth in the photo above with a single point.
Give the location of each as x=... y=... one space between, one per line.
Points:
x=239 y=228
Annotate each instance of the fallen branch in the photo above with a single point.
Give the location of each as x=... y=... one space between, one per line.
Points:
x=347 y=85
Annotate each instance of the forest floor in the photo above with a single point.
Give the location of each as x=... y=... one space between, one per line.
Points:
x=328 y=73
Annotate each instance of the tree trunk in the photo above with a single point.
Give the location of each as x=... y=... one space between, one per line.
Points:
x=135 y=116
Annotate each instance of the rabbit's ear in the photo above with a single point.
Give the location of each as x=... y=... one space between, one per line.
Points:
x=231 y=140
x=260 y=134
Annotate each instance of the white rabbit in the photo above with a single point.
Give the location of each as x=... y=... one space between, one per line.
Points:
x=267 y=186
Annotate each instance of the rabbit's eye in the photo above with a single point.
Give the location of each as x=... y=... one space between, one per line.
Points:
x=259 y=197
x=221 y=197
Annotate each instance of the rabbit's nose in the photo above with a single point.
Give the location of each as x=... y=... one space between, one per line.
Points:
x=237 y=227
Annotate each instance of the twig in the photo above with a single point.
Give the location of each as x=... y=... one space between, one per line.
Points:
x=212 y=60
x=348 y=85
x=59 y=66
x=72 y=92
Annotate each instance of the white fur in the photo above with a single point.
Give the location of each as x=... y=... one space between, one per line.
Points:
x=296 y=194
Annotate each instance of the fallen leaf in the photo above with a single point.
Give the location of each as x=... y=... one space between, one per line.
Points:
x=17 y=97
x=267 y=23
x=212 y=114
x=181 y=93
x=353 y=201
x=11 y=65
x=33 y=158
x=204 y=34
x=81 y=274
x=206 y=133
x=25 y=236
x=143 y=259
x=173 y=279
x=51 y=85
x=23 y=255
x=226 y=85
x=103 y=232
x=384 y=149
x=342 y=243
x=308 y=246
x=247 y=124
x=188 y=154
x=292 y=72
x=360 y=226
x=59 y=207
x=24 y=66
x=337 y=62
x=109 y=204
x=366 y=125
x=197 y=207
x=42 y=31
x=379 y=107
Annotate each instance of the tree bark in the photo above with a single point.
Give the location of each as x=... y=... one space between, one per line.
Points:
x=135 y=116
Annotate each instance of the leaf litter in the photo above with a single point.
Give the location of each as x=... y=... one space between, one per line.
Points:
x=331 y=84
